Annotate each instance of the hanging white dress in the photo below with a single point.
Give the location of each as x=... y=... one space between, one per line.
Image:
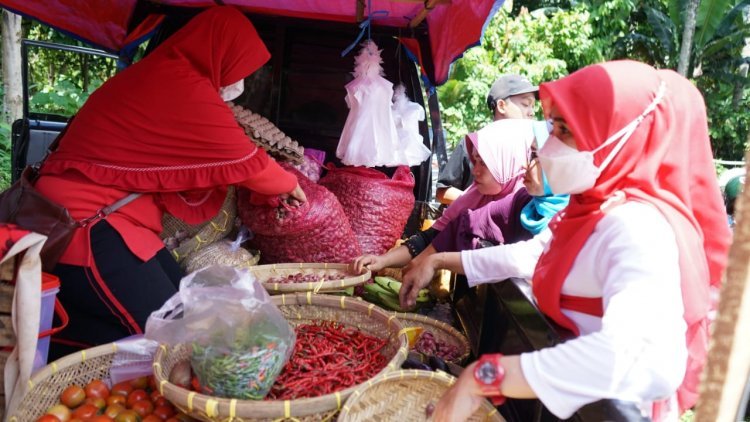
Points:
x=369 y=137
x=407 y=115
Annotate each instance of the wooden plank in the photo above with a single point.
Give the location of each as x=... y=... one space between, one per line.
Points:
x=727 y=370
x=428 y=5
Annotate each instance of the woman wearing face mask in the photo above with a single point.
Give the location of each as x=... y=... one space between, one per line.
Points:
x=499 y=153
x=161 y=129
x=631 y=262
x=508 y=220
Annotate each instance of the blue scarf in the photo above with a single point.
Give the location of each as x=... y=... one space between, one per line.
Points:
x=539 y=211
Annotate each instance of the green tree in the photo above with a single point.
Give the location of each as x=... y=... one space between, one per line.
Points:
x=543 y=45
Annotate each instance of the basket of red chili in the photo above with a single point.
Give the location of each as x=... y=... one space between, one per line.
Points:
x=342 y=345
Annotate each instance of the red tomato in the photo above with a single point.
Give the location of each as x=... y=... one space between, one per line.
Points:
x=117 y=399
x=155 y=395
x=140 y=383
x=85 y=411
x=164 y=412
x=99 y=402
x=137 y=395
x=48 y=418
x=97 y=388
x=113 y=410
x=161 y=401
x=72 y=396
x=152 y=383
x=124 y=388
x=60 y=411
x=143 y=407
x=152 y=418
x=127 y=416
x=101 y=418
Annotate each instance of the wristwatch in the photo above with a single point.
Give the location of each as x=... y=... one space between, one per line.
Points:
x=489 y=374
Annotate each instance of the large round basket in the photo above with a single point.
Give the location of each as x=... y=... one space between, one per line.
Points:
x=202 y=234
x=46 y=384
x=405 y=396
x=298 y=309
x=267 y=273
x=442 y=332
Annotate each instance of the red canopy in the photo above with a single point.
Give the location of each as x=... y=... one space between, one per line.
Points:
x=453 y=26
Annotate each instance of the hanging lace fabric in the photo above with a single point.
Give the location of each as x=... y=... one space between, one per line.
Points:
x=369 y=137
x=407 y=115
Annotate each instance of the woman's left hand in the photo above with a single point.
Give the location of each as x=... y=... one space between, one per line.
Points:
x=461 y=400
x=417 y=275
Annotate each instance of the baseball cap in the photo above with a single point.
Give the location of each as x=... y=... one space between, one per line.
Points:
x=508 y=85
x=734 y=187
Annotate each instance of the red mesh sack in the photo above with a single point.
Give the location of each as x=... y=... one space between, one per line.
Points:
x=316 y=231
x=377 y=206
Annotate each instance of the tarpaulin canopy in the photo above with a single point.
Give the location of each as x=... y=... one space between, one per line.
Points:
x=115 y=25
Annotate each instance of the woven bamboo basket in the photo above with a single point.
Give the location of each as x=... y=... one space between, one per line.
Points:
x=404 y=396
x=203 y=234
x=46 y=384
x=442 y=332
x=266 y=272
x=297 y=309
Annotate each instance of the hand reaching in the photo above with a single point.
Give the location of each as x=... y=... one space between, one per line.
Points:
x=416 y=276
x=367 y=262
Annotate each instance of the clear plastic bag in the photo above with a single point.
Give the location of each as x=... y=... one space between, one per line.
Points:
x=240 y=339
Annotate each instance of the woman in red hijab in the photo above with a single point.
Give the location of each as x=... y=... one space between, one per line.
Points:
x=160 y=128
x=632 y=262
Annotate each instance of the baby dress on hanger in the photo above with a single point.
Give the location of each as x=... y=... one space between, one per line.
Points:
x=407 y=115
x=369 y=137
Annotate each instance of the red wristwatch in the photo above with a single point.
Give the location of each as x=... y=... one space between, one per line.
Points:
x=489 y=374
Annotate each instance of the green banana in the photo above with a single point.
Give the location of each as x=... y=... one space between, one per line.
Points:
x=391 y=302
x=389 y=283
x=375 y=288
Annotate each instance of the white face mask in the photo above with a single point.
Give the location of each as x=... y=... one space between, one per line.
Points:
x=570 y=171
x=230 y=92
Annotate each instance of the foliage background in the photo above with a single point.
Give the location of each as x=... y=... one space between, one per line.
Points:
x=556 y=38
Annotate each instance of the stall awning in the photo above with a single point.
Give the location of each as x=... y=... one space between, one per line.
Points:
x=115 y=25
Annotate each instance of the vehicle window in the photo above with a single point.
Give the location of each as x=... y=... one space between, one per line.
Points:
x=60 y=77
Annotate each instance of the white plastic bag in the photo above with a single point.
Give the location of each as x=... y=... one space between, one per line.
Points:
x=240 y=339
x=407 y=115
x=369 y=137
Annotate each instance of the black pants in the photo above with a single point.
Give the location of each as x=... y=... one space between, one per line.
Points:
x=119 y=307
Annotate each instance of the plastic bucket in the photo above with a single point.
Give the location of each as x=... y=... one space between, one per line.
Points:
x=49 y=307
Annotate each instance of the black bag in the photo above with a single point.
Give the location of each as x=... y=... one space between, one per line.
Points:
x=25 y=207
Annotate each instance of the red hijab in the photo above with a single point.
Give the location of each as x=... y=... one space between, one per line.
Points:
x=667 y=162
x=160 y=125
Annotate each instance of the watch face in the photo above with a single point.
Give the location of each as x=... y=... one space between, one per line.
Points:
x=487 y=373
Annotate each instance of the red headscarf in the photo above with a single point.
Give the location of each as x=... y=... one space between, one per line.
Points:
x=667 y=162
x=160 y=125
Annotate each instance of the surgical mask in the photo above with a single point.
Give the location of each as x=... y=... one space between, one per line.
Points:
x=571 y=171
x=230 y=92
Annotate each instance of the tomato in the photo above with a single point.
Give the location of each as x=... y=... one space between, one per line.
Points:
x=137 y=395
x=155 y=395
x=143 y=407
x=72 y=396
x=61 y=411
x=48 y=418
x=161 y=401
x=152 y=418
x=85 y=411
x=127 y=416
x=101 y=418
x=117 y=399
x=99 y=402
x=113 y=410
x=140 y=383
x=164 y=412
x=124 y=388
x=152 y=383
x=97 y=388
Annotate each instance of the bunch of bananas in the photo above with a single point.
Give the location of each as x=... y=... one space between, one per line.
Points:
x=384 y=292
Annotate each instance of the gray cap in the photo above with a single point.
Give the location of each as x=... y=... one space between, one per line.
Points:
x=507 y=86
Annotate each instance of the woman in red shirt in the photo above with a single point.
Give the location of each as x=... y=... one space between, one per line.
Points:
x=162 y=129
